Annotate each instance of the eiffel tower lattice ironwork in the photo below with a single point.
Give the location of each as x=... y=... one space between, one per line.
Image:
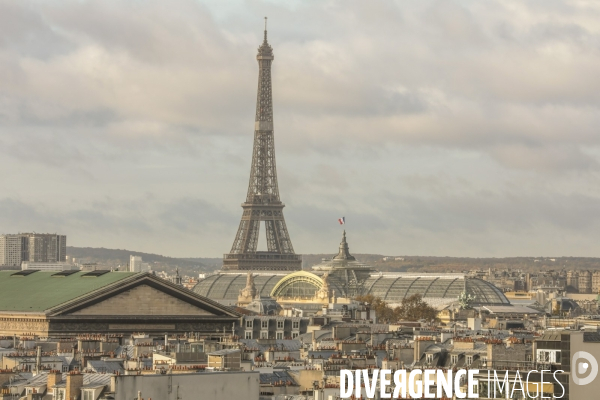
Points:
x=262 y=202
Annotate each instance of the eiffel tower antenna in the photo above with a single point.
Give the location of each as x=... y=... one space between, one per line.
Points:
x=262 y=201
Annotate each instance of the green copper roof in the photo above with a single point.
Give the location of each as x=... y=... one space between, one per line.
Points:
x=41 y=291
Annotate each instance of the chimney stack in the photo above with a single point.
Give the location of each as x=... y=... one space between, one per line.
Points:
x=74 y=384
x=54 y=377
x=38 y=360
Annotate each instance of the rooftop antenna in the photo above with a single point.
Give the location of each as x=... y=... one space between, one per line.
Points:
x=265 y=29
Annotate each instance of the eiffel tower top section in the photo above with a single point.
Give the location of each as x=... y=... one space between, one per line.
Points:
x=263 y=205
x=263 y=188
x=265 y=51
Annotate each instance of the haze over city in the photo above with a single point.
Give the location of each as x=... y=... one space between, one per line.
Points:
x=299 y=200
x=454 y=128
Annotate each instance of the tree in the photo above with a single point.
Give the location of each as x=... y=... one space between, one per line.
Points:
x=382 y=310
x=414 y=308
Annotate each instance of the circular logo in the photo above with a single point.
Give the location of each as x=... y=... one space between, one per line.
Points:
x=582 y=367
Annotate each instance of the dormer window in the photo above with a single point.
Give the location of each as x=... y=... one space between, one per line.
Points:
x=454 y=358
x=429 y=358
x=87 y=395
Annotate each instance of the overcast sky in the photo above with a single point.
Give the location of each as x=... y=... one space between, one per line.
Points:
x=460 y=128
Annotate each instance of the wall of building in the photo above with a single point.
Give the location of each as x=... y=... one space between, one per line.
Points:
x=516 y=355
x=10 y=250
x=596 y=282
x=135 y=264
x=46 y=247
x=208 y=386
x=591 y=390
x=269 y=329
x=48 y=266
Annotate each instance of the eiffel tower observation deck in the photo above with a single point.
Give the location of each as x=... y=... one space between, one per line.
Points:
x=262 y=202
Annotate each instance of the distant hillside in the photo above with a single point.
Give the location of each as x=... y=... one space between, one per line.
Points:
x=193 y=266
x=459 y=264
x=313 y=259
x=115 y=257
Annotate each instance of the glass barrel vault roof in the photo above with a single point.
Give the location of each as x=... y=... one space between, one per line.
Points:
x=389 y=287
x=394 y=288
x=228 y=286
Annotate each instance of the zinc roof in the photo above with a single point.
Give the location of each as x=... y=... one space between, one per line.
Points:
x=275 y=377
x=279 y=345
x=224 y=352
x=41 y=291
x=551 y=336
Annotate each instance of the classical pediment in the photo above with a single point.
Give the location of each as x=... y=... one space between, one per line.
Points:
x=142 y=295
x=142 y=300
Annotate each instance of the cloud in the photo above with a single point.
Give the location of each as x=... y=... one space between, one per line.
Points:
x=24 y=30
x=430 y=125
x=195 y=215
x=556 y=159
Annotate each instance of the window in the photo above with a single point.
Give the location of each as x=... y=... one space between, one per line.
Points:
x=429 y=358
x=548 y=356
x=88 y=395
x=454 y=358
x=295 y=335
x=264 y=324
x=249 y=323
x=264 y=335
x=296 y=325
x=248 y=335
x=61 y=394
x=279 y=335
x=279 y=324
x=528 y=358
x=469 y=360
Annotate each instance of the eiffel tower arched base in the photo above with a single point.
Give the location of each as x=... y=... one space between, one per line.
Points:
x=262 y=261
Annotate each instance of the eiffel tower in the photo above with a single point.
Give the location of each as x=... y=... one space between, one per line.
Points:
x=262 y=202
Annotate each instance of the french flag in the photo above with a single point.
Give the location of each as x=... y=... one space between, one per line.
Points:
x=342 y=220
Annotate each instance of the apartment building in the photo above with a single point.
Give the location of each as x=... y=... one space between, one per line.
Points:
x=46 y=247
x=135 y=264
x=596 y=282
x=272 y=327
x=32 y=247
x=11 y=250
